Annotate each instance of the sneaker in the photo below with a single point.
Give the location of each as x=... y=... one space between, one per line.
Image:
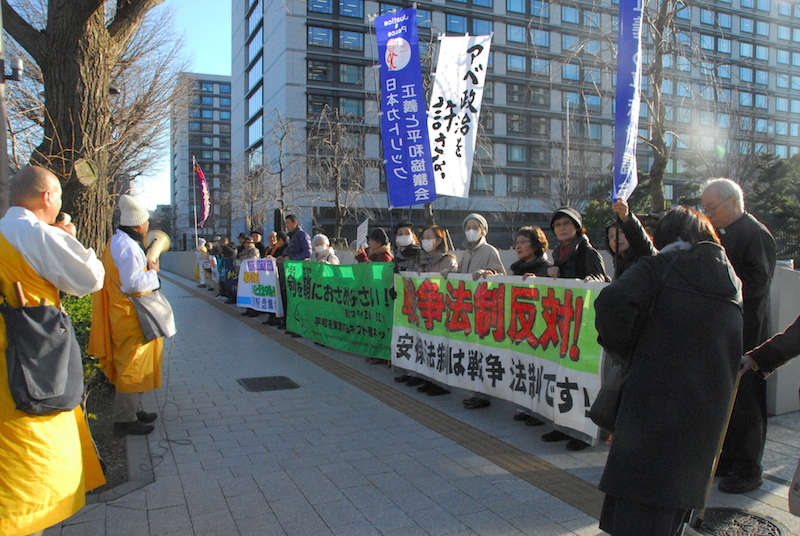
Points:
x=733 y=483
x=133 y=428
x=555 y=435
x=576 y=445
x=145 y=417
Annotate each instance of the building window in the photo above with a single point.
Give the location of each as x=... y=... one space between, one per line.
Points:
x=207 y=127
x=540 y=38
x=515 y=123
x=515 y=63
x=424 y=18
x=351 y=74
x=207 y=87
x=784 y=33
x=253 y=48
x=225 y=102
x=320 y=37
x=482 y=184
x=351 y=8
x=785 y=8
x=540 y=96
x=762 y=53
x=351 y=40
x=746 y=50
x=207 y=114
x=762 y=28
x=539 y=66
x=482 y=3
x=255 y=17
x=482 y=27
x=746 y=25
x=515 y=6
x=255 y=102
x=782 y=80
x=515 y=93
x=317 y=103
x=351 y=107
x=456 y=24
x=320 y=71
x=570 y=14
x=540 y=8
x=516 y=153
x=515 y=34
x=321 y=6
x=254 y=75
x=570 y=43
x=570 y=72
x=782 y=56
x=745 y=74
x=194 y=127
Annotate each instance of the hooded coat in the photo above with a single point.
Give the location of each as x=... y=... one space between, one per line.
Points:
x=581 y=260
x=683 y=355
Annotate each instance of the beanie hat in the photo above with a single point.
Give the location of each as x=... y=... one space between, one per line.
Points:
x=570 y=213
x=132 y=214
x=379 y=235
x=480 y=219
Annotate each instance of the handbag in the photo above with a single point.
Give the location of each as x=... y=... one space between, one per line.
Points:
x=43 y=358
x=605 y=407
x=155 y=314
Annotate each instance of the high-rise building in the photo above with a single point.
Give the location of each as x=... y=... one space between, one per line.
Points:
x=201 y=129
x=548 y=111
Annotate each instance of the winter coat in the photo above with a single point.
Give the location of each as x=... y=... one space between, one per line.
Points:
x=328 y=256
x=247 y=253
x=581 y=261
x=537 y=266
x=406 y=258
x=779 y=349
x=639 y=243
x=436 y=262
x=481 y=256
x=751 y=249
x=381 y=254
x=682 y=356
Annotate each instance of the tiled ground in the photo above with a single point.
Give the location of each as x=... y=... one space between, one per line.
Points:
x=331 y=459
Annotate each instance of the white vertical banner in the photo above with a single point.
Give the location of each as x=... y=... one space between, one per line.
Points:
x=453 y=110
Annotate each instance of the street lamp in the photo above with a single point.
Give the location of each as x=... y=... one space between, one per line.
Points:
x=16 y=75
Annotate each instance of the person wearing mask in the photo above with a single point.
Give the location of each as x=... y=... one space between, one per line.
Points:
x=435 y=256
x=574 y=257
x=378 y=243
x=323 y=252
x=673 y=321
x=627 y=239
x=48 y=462
x=480 y=259
x=751 y=248
x=408 y=248
x=260 y=246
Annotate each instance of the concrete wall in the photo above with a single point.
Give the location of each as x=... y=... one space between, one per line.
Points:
x=782 y=387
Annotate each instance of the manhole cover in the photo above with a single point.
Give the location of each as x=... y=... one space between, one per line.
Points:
x=733 y=522
x=267 y=383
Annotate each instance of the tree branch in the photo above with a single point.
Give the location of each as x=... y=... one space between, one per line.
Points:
x=126 y=20
x=23 y=33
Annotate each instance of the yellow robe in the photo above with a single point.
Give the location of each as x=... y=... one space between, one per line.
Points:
x=131 y=363
x=47 y=463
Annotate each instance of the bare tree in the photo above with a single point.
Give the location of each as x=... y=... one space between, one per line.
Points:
x=78 y=46
x=249 y=194
x=283 y=159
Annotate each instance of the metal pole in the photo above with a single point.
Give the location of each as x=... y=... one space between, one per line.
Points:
x=4 y=185
x=194 y=201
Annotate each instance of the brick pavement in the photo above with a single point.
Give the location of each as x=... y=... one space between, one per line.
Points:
x=350 y=452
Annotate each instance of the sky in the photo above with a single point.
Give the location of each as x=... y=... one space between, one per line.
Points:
x=206 y=29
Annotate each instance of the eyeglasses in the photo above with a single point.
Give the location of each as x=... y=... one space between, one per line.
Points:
x=521 y=242
x=712 y=209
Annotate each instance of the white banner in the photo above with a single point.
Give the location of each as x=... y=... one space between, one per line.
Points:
x=258 y=286
x=453 y=110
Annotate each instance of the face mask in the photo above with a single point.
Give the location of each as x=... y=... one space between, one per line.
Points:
x=404 y=240
x=473 y=235
x=428 y=245
x=320 y=249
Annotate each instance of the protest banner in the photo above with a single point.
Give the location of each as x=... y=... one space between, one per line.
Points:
x=347 y=307
x=229 y=276
x=258 y=286
x=531 y=343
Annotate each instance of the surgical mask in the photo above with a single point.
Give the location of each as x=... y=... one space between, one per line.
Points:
x=473 y=235
x=404 y=240
x=429 y=245
x=320 y=249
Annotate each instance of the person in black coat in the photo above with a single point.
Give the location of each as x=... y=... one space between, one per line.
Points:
x=531 y=246
x=408 y=247
x=777 y=351
x=751 y=250
x=574 y=257
x=627 y=239
x=674 y=321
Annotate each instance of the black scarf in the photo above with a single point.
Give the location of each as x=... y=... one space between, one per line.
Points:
x=137 y=237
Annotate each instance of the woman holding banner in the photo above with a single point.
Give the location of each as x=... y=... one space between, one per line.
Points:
x=322 y=250
x=408 y=248
x=379 y=251
x=435 y=257
x=674 y=322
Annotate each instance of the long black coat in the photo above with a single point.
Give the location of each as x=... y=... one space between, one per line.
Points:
x=681 y=372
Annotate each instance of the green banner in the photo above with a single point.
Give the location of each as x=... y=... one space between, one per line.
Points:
x=347 y=307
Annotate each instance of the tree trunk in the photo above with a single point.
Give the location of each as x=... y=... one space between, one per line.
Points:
x=658 y=124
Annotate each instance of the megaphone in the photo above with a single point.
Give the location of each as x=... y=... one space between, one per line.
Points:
x=156 y=243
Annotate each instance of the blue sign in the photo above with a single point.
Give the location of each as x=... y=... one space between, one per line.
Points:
x=404 y=123
x=629 y=96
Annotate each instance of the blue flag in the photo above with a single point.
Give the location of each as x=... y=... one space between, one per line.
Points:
x=629 y=97
x=404 y=123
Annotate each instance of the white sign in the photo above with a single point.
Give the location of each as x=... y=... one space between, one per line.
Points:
x=361 y=233
x=453 y=110
x=258 y=286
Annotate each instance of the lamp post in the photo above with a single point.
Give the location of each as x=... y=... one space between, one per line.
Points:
x=16 y=75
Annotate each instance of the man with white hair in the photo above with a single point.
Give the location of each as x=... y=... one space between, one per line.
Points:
x=751 y=250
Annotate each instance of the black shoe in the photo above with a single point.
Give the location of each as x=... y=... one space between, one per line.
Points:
x=246 y=312
x=533 y=421
x=281 y=325
x=476 y=403
x=521 y=416
x=437 y=391
x=293 y=334
x=555 y=435
x=733 y=483
x=133 y=428
x=210 y=289
x=252 y=313
x=401 y=379
x=231 y=301
x=201 y=286
x=414 y=381
x=424 y=387
x=724 y=467
x=576 y=444
x=145 y=417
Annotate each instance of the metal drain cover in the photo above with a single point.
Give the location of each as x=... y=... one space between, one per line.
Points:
x=267 y=383
x=733 y=522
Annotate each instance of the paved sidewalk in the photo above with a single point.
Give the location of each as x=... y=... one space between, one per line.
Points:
x=351 y=452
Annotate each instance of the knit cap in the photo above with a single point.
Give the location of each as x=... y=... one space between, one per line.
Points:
x=132 y=213
x=570 y=213
x=480 y=219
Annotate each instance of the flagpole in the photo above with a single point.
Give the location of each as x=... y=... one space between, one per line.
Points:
x=194 y=201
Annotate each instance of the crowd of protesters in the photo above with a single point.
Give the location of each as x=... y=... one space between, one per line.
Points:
x=681 y=309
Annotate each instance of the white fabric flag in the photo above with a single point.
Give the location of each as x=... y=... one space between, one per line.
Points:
x=453 y=110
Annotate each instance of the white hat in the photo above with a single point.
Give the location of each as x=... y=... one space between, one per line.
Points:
x=132 y=213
